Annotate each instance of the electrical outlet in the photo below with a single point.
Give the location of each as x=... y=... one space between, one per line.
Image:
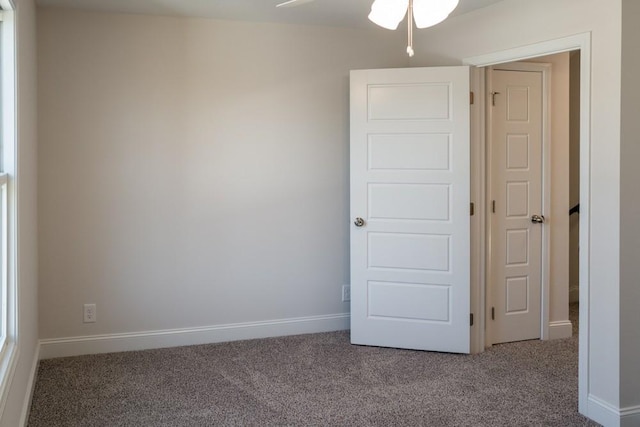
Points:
x=89 y=313
x=346 y=293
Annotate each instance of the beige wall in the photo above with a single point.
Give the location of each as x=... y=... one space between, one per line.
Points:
x=194 y=172
x=27 y=274
x=515 y=23
x=630 y=207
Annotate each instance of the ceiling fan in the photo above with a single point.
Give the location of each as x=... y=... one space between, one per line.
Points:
x=389 y=13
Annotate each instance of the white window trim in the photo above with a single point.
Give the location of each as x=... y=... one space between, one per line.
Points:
x=4 y=265
x=8 y=133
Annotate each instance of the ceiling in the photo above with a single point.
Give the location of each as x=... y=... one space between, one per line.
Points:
x=341 y=13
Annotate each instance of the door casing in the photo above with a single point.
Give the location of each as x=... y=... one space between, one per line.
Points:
x=581 y=42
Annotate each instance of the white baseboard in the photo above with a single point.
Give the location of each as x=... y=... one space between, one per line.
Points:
x=33 y=375
x=561 y=329
x=603 y=412
x=110 y=343
x=8 y=364
x=630 y=417
x=610 y=416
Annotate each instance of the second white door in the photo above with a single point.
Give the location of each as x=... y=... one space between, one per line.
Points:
x=516 y=203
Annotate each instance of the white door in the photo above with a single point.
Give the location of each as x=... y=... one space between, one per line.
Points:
x=516 y=194
x=410 y=189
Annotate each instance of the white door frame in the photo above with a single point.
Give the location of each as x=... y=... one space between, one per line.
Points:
x=580 y=42
x=545 y=70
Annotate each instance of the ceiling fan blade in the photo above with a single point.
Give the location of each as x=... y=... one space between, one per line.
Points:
x=292 y=3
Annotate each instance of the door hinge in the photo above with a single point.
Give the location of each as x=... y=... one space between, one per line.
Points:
x=493 y=206
x=471 y=319
x=472 y=209
x=472 y=98
x=493 y=313
x=493 y=98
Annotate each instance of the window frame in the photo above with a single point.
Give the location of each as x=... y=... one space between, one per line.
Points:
x=8 y=198
x=4 y=262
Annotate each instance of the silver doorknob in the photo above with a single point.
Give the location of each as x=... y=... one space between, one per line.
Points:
x=537 y=219
x=359 y=222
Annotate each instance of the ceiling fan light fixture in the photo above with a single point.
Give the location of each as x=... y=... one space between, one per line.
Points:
x=428 y=13
x=388 y=13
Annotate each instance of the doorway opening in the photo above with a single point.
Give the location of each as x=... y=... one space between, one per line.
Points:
x=579 y=50
x=533 y=195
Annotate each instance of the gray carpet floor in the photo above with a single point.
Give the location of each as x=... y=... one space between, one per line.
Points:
x=312 y=380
